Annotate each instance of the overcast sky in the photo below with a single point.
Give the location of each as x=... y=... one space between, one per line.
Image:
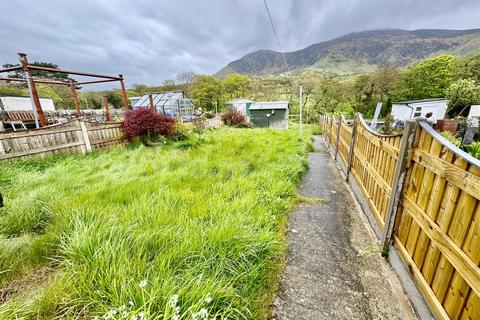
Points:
x=149 y=41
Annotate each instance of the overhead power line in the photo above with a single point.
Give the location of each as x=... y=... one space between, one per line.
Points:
x=276 y=36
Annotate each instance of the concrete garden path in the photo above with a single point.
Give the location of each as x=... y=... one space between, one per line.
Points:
x=325 y=277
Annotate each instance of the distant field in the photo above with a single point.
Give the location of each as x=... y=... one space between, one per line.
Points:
x=191 y=228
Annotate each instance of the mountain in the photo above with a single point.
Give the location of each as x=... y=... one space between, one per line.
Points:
x=360 y=52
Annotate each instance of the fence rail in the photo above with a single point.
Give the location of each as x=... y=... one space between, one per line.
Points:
x=424 y=194
x=75 y=136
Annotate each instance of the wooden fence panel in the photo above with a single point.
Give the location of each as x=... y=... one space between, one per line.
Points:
x=63 y=138
x=104 y=135
x=437 y=225
x=438 y=234
x=333 y=131
x=374 y=162
x=344 y=140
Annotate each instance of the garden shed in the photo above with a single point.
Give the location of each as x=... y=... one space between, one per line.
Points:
x=169 y=103
x=269 y=114
x=242 y=105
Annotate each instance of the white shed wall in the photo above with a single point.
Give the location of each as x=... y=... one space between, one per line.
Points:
x=25 y=104
x=474 y=111
x=240 y=106
x=438 y=108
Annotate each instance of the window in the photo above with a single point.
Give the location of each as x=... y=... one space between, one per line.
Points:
x=418 y=109
x=417 y=114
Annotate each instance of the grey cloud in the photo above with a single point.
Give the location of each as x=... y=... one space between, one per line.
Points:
x=149 y=41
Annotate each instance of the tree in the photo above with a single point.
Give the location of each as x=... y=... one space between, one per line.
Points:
x=327 y=95
x=429 y=78
x=467 y=67
x=115 y=99
x=185 y=77
x=235 y=85
x=47 y=92
x=12 y=90
x=362 y=94
x=207 y=91
x=384 y=79
x=460 y=94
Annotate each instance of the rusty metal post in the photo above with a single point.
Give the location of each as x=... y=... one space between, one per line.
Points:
x=124 y=93
x=75 y=98
x=37 y=111
x=105 y=106
x=152 y=106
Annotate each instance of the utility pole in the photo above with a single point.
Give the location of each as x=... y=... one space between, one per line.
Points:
x=301 y=92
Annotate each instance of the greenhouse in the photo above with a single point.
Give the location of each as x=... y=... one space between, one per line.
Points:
x=169 y=103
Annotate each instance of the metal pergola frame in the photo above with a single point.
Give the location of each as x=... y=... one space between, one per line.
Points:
x=40 y=119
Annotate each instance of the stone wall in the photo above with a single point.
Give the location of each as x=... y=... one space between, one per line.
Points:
x=96 y=115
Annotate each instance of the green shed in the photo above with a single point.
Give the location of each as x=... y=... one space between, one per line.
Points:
x=271 y=114
x=242 y=105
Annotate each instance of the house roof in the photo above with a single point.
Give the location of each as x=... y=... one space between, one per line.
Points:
x=239 y=101
x=419 y=101
x=266 y=105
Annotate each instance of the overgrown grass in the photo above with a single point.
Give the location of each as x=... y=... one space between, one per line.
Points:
x=127 y=231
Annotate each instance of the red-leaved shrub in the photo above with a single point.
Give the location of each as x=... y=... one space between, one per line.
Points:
x=233 y=117
x=142 y=122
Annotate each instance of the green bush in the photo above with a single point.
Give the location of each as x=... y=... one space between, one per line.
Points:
x=451 y=138
x=473 y=149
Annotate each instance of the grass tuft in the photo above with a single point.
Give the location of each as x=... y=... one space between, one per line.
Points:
x=181 y=229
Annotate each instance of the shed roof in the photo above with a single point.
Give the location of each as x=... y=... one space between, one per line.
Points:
x=266 y=105
x=419 y=101
x=239 y=101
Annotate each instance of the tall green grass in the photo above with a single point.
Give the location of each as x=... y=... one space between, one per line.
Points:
x=173 y=232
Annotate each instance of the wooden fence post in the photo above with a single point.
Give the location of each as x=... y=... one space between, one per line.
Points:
x=325 y=129
x=105 y=107
x=398 y=181
x=337 y=143
x=352 y=148
x=329 y=131
x=2 y=149
x=86 y=138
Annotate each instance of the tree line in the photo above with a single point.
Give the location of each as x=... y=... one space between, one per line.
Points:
x=444 y=76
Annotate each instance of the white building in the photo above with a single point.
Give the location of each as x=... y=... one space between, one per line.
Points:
x=24 y=104
x=474 y=111
x=404 y=110
x=242 y=105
